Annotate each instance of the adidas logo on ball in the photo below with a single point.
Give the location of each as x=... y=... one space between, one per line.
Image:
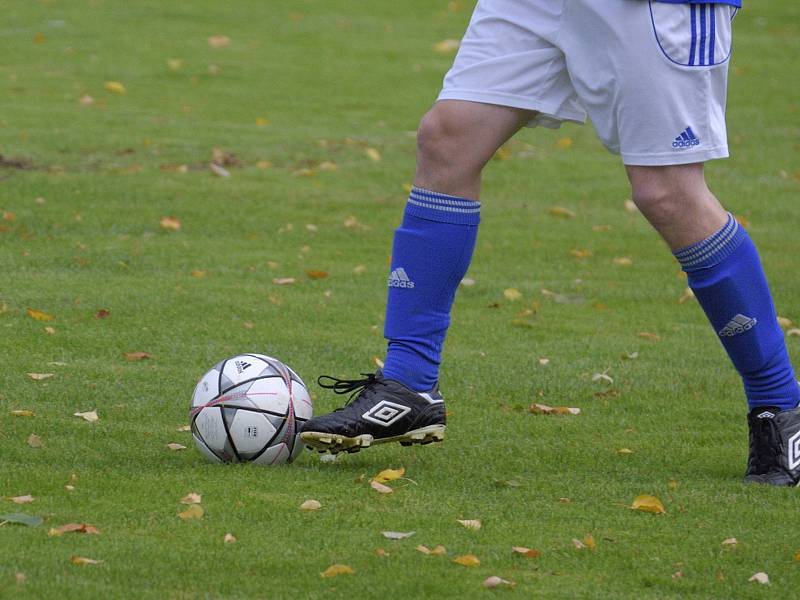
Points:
x=399 y=279
x=241 y=366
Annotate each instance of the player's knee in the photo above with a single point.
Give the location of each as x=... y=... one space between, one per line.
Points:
x=660 y=199
x=437 y=137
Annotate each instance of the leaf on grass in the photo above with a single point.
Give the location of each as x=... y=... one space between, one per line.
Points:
x=473 y=524
x=262 y=122
x=604 y=377
x=23 y=413
x=335 y=570
x=564 y=143
x=467 y=282
x=580 y=253
x=20 y=577
x=544 y=409
x=512 y=294
x=761 y=578
x=40 y=376
x=381 y=552
x=730 y=542
x=174 y=446
x=229 y=539
x=622 y=261
x=283 y=280
x=446 y=46
x=134 y=356
x=195 y=511
x=494 y=581
x=21 y=519
x=423 y=549
x=380 y=488
x=219 y=41
x=742 y=220
x=467 y=560
x=561 y=212
x=439 y=550
x=82 y=560
x=315 y=274
x=39 y=315
x=73 y=528
x=219 y=170
x=687 y=295
x=90 y=416
x=102 y=313
x=115 y=87
x=527 y=552
x=359 y=270
x=397 y=535
x=185 y=428
x=192 y=498
x=373 y=154
x=793 y=332
x=653 y=337
x=389 y=475
x=34 y=441
x=49 y=330
x=785 y=323
x=579 y=545
x=170 y=223
x=624 y=451
x=27 y=499
x=630 y=206
x=589 y=542
x=311 y=505
x=377 y=362
x=648 y=503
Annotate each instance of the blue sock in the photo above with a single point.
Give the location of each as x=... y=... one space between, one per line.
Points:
x=431 y=252
x=725 y=273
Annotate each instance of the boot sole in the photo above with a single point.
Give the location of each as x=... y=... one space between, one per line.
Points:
x=333 y=443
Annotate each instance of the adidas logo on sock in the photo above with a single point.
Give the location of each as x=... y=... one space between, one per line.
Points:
x=686 y=139
x=399 y=279
x=738 y=324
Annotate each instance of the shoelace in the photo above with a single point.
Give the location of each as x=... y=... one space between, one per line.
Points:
x=344 y=386
x=765 y=441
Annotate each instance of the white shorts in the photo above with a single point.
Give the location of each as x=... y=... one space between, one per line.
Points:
x=652 y=76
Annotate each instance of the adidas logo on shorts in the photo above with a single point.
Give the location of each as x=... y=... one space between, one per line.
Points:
x=399 y=279
x=738 y=324
x=686 y=139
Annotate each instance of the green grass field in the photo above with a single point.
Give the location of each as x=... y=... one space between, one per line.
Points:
x=293 y=104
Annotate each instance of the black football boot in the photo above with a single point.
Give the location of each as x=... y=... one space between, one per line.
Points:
x=774 y=446
x=379 y=410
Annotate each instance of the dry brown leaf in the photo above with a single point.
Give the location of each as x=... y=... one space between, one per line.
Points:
x=467 y=560
x=544 y=361
x=262 y=122
x=648 y=503
x=49 y=330
x=579 y=545
x=624 y=451
x=102 y=313
x=219 y=41
x=73 y=528
x=170 y=223
x=446 y=46
x=115 y=87
x=218 y=170
x=785 y=323
x=39 y=376
x=423 y=549
x=564 y=143
x=359 y=270
x=195 y=511
x=653 y=337
x=377 y=362
x=397 y=535
x=134 y=356
x=381 y=552
x=90 y=416
x=467 y=282
x=687 y=295
x=494 y=581
x=793 y=332
x=761 y=578
x=512 y=294
x=528 y=552
x=380 y=488
x=229 y=539
x=174 y=64
x=335 y=570
x=34 y=441
x=27 y=499
x=39 y=315
x=315 y=274
x=174 y=446
x=544 y=409
x=601 y=228
x=561 y=212
x=731 y=542
x=82 y=560
x=248 y=325
x=604 y=377
x=742 y=220
x=389 y=475
x=473 y=524
x=311 y=505
x=373 y=154
x=630 y=206
x=20 y=577
x=283 y=280
x=23 y=413
x=439 y=550
x=185 y=428
x=199 y=273
x=589 y=542
x=622 y=261
x=192 y=498
x=580 y=253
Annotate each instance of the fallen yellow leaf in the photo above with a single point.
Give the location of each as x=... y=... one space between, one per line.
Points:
x=648 y=503
x=90 y=416
x=473 y=524
x=23 y=413
x=561 y=212
x=446 y=46
x=495 y=581
x=82 y=560
x=389 y=475
x=529 y=552
x=134 y=356
x=174 y=446
x=565 y=143
x=195 y=511
x=262 y=122
x=27 y=499
x=34 y=441
x=512 y=294
x=219 y=41
x=439 y=550
x=467 y=560
x=373 y=154
x=311 y=505
x=622 y=261
x=171 y=223
x=191 y=498
x=229 y=539
x=761 y=578
x=380 y=488
x=335 y=570
x=115 y=87
x=315 y=274
x=39 y=315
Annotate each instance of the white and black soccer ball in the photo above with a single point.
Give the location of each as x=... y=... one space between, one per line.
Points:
x=250 y=408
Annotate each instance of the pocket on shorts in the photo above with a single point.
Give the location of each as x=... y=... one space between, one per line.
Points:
x=693 y=35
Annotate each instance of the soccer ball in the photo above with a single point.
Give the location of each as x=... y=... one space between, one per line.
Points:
x=249 y=408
